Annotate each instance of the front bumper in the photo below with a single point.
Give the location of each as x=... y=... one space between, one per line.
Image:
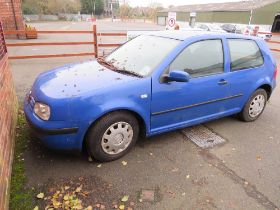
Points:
x=57 y=135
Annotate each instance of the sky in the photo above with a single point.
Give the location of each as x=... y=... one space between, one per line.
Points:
x=166 y=3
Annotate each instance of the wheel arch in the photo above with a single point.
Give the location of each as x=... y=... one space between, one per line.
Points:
x=139 y=117
x=267 y=88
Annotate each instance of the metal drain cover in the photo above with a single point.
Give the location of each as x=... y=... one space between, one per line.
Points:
x=202 y=136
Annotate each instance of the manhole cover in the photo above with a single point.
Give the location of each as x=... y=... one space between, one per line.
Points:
x=202 y=136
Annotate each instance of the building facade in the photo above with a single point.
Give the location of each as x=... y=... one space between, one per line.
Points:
x=261 y=12
x=11 y=15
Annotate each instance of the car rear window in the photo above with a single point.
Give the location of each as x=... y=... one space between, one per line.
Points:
x=244 y=54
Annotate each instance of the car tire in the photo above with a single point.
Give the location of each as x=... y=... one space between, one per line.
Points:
x=254 y=106
x=112 y=136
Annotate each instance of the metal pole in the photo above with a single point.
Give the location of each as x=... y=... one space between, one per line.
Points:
x=112 y=11
x=251 y=15
x=94 y=8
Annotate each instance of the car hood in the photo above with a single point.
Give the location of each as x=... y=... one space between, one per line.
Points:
x=76 y=79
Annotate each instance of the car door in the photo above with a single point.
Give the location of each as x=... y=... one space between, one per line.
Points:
x=205 y=96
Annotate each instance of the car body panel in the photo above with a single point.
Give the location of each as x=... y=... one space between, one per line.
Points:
x=80 y=94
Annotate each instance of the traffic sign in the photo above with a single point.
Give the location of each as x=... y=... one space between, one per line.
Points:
x=171 y=20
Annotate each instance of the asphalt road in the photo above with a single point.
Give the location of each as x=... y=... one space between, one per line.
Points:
x=243 y=173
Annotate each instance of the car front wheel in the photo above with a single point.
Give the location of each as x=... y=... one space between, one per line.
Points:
x=254 y=106
x=112 y=136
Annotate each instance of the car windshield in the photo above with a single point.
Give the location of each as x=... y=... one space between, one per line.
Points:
x=142 y=54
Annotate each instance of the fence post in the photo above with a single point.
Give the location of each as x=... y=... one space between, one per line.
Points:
x=95 y=41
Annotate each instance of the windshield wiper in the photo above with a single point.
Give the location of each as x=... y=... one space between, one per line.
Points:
x=103 y=62
x=129 y=72
x=110 y=66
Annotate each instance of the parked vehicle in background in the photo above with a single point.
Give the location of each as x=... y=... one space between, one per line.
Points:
x=246 y=29
x=152 y=84
x=231 y=28
x=264 y=33
x=210 y=27
x=255 y=30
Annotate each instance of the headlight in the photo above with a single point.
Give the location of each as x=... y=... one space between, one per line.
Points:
x=43 y=111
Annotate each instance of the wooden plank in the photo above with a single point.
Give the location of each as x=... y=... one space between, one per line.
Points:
x=47 y=43
x=275 y=42
x=15 y=32
x=111 y=34
x=95 y=46
x=50 y=56
x=275 y=50
x=109 y=45
x=66 y=32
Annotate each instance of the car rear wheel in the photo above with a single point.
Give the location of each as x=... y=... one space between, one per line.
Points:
x=254 y=106
x=112 y=136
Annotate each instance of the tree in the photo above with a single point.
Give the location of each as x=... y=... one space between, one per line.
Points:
x=88 y=6
x=50 y=6
x=125 y=11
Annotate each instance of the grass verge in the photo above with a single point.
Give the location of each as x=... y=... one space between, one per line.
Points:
x=21 y=198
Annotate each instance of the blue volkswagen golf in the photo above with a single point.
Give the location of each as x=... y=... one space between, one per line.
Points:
x=152 y=84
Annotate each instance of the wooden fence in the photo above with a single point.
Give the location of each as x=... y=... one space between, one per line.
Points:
x=94 y=42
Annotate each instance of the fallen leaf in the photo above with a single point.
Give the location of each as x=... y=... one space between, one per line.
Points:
x=89 y=208
x=170 y=192
x=36 y=208
x=259 y=157
x=125 y=198
x=66 y=187
x=131 y=203
x=121 y=207
x=175 y=169
x=99 y=165
x=40 y=195
x=124 y=163
x=79 y=189
x=66 y=197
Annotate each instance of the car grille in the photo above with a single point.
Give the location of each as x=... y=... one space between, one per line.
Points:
x=31 y=101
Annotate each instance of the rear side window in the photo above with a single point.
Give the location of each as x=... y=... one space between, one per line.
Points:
x=201 y=58
x=244 y=54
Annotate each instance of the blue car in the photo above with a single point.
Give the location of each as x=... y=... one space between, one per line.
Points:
x=152 y=84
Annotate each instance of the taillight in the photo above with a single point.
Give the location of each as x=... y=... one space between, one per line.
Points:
x=275 y=73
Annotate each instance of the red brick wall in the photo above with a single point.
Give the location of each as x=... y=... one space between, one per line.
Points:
x=11 y=15
x=8 y=111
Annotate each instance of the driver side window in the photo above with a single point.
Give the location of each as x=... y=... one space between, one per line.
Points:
x=201 y=58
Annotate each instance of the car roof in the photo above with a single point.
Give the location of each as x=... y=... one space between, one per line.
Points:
x=183 y=35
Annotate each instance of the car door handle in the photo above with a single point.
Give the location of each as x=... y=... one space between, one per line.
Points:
x=222 y=82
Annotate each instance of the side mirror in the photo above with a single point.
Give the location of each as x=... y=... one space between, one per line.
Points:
x=178 y=76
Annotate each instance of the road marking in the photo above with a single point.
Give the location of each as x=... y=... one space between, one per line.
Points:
x=203 y=136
